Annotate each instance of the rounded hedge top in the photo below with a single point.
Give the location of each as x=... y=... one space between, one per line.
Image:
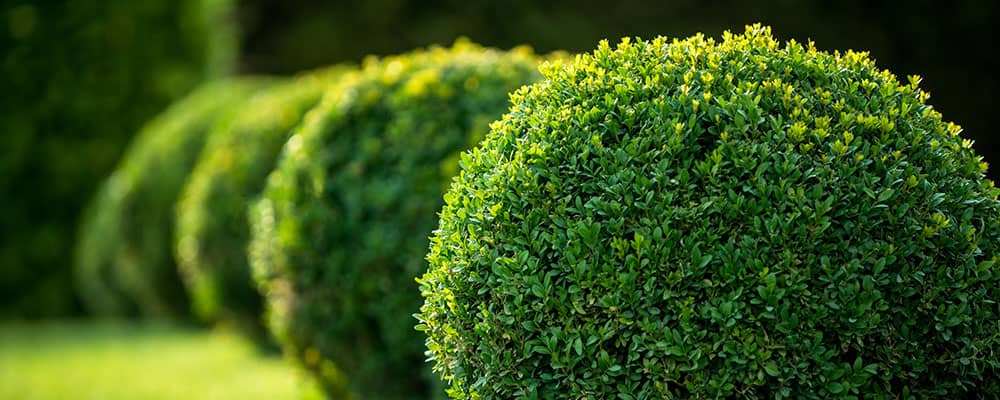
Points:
x=703 y=219
x=212 y=230
x=340 y=233
x=125 y=245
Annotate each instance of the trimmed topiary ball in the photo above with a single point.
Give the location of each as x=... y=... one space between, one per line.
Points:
x=125 y=242
x=341 y=230
x=717 y=219
x=212 y=230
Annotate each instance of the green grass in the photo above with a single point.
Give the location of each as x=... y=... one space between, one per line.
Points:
x=86 y=360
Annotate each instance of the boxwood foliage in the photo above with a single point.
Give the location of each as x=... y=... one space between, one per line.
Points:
x=717 y=219
x=125 y=242
x=79 y=79
x=340 y=232
x=212 y=230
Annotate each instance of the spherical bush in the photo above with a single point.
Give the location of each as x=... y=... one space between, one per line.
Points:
x=717 y=219
x=125 y=242
x=212 y=230
x=341 y=230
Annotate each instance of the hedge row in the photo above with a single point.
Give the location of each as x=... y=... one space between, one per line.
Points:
x=690 y=218
x=125 y=241
x=384 y=139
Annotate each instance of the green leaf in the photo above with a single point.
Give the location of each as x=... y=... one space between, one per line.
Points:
x=771 y=368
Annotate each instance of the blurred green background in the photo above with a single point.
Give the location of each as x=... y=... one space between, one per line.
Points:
x=79 y=79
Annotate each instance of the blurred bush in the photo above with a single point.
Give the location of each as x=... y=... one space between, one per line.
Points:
x=79 y=78
x=212 y=228
x=96 y=247
x=341 y=231
x=126 y=241
x=942 y=42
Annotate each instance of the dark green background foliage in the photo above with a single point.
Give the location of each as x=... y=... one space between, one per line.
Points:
x=704 y=219
x=126 y=244
x=78 y=79
x=212 y=229
x=340 y=234
x=944 y=43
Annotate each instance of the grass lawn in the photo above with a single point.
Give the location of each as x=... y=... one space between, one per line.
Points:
x=88 y=360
